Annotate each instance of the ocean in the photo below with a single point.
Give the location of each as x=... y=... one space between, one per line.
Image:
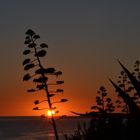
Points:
x=37 y=128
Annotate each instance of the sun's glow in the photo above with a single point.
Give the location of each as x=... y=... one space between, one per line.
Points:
x=50 y=113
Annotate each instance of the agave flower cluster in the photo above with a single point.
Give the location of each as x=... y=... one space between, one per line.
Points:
x=131 y=102
x=40 y=75
x=38 y=51
x=104 y=104
x=110 y=125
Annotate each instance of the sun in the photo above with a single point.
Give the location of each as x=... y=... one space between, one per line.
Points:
x=49 y=113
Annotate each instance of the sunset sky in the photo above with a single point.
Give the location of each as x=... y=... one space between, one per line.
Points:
x=85 y=38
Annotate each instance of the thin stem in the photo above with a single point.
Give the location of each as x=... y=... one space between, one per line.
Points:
x=47 y=94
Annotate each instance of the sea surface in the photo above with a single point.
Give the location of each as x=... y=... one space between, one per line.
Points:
x=37 y=128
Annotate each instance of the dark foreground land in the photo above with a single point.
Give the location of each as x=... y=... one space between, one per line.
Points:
x=110 y=127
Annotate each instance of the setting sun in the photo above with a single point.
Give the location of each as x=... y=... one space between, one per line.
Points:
x=50 y=113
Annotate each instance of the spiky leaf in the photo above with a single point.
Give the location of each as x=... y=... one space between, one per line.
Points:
x=133 y=80
x=127 y=99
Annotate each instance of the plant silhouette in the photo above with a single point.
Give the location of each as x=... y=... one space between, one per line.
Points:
x=112 y=125
x=40 y=75
x=126 y=85
x=104 y=103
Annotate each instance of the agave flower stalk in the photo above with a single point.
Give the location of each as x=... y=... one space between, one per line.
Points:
x=39 y=51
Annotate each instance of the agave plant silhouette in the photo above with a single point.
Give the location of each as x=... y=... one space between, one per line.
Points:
x=132 y=105
x=104 y=104
x=40 y=74
x=125 y=84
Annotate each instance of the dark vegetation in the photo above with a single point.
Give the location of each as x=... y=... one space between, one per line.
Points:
x=105 y=122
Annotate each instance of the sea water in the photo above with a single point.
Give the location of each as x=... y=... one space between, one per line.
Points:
x=37 y=128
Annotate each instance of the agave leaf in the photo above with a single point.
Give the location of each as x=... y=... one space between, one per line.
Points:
x=30 y=32
x=29 y=66
x=41 y=53
x=26 y=77
x=43 y=45
x=26 y=61
x=26 y=52
x=127 y=99
x=133 y=80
